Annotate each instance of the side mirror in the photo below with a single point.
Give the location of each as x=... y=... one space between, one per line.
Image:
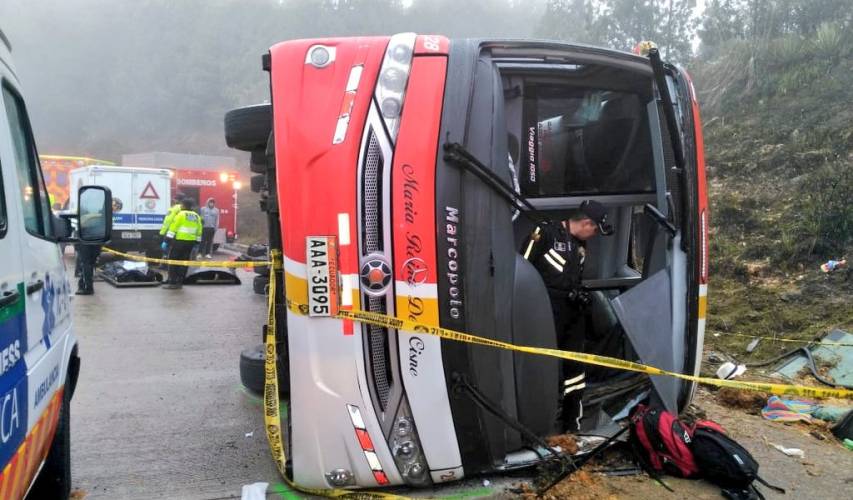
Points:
x=94 y=214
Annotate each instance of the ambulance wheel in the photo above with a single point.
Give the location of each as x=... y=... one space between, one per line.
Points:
x=252 y=362
x=248 y=128
x=261 y=284
x=54 y=480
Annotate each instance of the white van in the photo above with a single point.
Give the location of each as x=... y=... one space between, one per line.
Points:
x=38 y=350
x=141 y=199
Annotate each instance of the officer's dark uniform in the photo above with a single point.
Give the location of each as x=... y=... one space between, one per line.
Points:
x=87 y=256
x=559 y=257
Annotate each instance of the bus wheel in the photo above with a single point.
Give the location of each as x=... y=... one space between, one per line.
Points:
x=252 y=362
x=248 y=128
x=54 y=480
x=260 y=284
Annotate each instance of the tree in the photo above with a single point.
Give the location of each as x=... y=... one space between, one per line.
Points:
x=621 y=24
x=669 y=23
x=722 y=20
x=573 y=20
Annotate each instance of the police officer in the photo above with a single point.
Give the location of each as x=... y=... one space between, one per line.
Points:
x=184 y=233
x=87 y=256
x=558 y=251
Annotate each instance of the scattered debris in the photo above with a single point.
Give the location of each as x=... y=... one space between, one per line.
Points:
x=844 y=428
x=568 y=443
x=788 y=410
x=250 y=434
x=848 y=443
x=833 y=360
x=486 y=482
x=791 y=452
x=254 y=491
x=830 y=413
x=807 y=466
x=582 y=484
x=833 y=265
x=752 y=345
x=729 y=370
x=750 y=401
x=694 y=413
x=77 y=494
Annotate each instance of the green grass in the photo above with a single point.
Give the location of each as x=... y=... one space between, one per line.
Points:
x=800 y=307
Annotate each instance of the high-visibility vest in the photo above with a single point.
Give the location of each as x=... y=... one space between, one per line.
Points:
x=186 y=226
x=167 y=221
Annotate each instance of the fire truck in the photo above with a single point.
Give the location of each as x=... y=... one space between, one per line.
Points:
x=395 y=167
x=222 y=187
x=56 y=171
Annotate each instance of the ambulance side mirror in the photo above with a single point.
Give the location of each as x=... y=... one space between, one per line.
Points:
x=94 y=214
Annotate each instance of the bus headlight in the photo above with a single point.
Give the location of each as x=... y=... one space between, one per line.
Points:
x=393 y=78
x=406 y=449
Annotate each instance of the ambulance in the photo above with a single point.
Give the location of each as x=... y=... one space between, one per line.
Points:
x=402 y=175
x=39 y=360
x=141 y=199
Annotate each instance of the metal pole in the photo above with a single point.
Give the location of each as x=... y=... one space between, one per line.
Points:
x=235 y=214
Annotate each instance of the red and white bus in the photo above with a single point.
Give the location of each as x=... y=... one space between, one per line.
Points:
x=396 y=153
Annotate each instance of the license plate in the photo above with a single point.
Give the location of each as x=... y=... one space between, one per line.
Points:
x=131 y=235
x=321 y=260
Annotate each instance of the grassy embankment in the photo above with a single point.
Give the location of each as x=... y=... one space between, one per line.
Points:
x=779 y=140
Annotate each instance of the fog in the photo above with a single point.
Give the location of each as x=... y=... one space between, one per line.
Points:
x=107 y=77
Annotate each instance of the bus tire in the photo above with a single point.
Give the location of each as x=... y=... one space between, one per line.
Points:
x=54 y=480
x=248 y=128
x=260 y=284
x=258 y=164
x=252 y=363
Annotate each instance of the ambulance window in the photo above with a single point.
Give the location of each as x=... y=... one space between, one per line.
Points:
x=33 y=193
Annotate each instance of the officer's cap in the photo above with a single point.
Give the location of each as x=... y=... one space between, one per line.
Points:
x=596 y=211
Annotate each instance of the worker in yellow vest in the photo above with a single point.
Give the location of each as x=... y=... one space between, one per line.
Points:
x=167 y=221
x=183 y=234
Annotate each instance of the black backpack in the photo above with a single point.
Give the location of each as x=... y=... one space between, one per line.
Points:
x=724 y=462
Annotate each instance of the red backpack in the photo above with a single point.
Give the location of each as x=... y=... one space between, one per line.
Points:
x=665 y=445
x=661 y=442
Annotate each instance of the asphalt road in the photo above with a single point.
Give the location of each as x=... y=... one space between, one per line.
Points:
x=159 y=410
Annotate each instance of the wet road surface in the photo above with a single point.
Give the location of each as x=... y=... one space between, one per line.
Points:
x=159 y=410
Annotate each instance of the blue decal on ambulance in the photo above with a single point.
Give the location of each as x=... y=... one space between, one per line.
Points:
x=13 y=377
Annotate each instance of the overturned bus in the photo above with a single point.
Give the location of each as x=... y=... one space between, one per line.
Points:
x=384 y=164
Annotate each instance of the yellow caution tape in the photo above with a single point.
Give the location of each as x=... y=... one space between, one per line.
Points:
x=272 y=415
x=191 y=263
x=592 y=359
x=823 y=342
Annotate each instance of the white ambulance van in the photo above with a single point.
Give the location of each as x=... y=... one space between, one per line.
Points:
x=39 y=362
x=141 y=199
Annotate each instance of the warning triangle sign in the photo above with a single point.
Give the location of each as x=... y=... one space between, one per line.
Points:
x=149 y=193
